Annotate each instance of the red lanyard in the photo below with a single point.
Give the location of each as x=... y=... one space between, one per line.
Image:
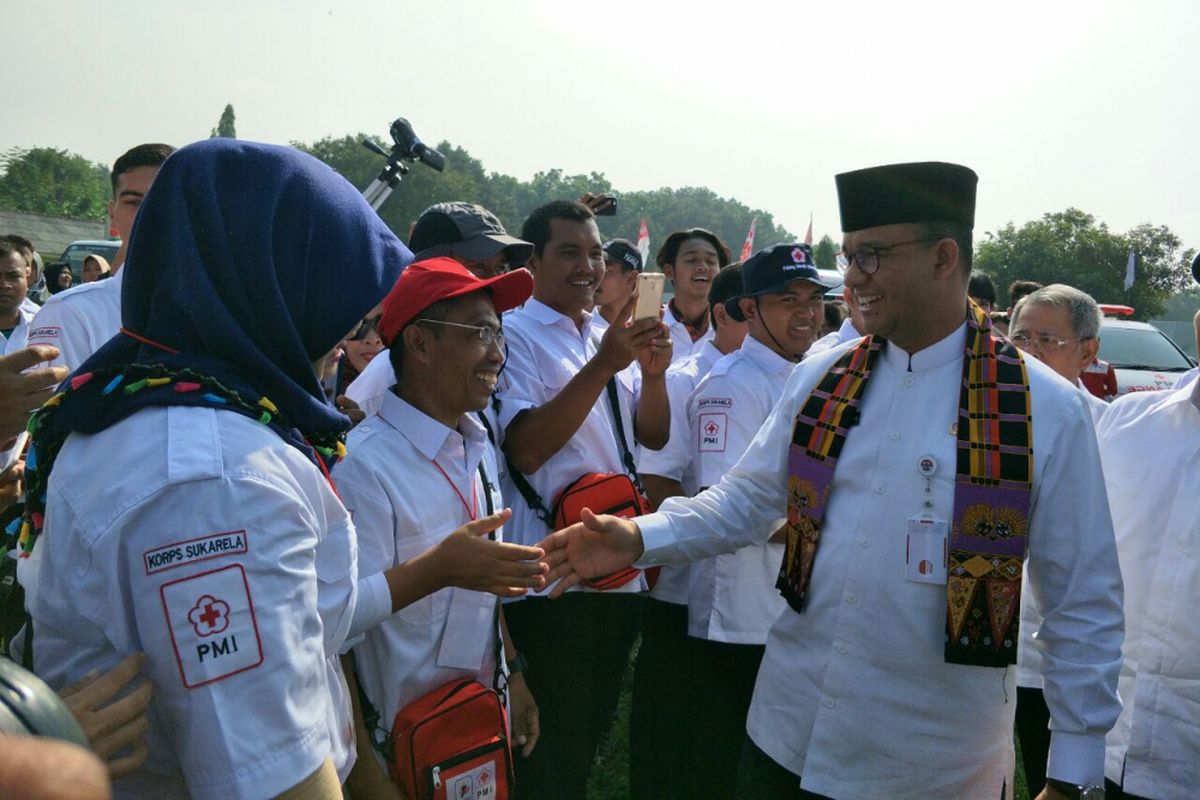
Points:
x=473 y=509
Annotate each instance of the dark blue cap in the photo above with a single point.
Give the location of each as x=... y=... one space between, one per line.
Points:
x=770 y=270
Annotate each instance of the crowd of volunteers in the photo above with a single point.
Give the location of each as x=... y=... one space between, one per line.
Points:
x=298 y=509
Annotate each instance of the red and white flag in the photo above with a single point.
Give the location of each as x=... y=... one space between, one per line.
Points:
x=748 y=245
x=808 y=236
x=643 y=243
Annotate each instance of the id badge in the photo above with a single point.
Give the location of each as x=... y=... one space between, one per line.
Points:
x=925 y=549
x=466 y=637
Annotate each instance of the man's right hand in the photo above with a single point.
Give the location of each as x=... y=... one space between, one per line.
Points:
x=469 y=560
x=600 y=544
x=621 y=343
x=22 y=393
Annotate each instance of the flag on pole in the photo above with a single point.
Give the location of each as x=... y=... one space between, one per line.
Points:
x=643 y=243
x=748 y=245
x=1130 y=271
x=808 y=235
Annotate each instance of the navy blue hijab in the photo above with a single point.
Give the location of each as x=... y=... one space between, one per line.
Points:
x=247 y=263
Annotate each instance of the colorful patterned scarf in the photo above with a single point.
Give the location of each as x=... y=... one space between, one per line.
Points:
x=993 y=480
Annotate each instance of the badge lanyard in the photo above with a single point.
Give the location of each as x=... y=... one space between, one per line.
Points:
x=473 y=509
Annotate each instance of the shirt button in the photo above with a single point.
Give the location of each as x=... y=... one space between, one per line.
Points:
x=894 y=435
x=880 y=488
x=908 y=381
x=841 y=648
x=865 y=543
x=830 y=703
x=851 y=599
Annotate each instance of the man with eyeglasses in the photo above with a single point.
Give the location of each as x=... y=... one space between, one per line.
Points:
x=422 y=483
x=475 y=238
x=911 y=469
x=1060 y=326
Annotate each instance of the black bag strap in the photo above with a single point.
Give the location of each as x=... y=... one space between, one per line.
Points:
x=626 y=456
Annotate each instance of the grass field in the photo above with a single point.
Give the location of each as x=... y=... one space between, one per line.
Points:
x=610 y=777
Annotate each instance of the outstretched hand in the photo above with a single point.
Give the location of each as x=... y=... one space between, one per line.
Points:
x=21 y=392
x=468 y=559
x=600 y=544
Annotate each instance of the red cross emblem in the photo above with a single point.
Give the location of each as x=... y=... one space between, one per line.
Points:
x=711 y=428
x=209 y=616
x=799 y=256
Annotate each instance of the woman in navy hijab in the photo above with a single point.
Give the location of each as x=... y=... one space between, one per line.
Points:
x=178 y=484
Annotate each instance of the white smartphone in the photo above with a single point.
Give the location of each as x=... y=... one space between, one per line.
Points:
x=650 y=287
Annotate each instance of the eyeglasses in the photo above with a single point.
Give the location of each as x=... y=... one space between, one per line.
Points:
x=366 y=326
x=484 y=270
x=486 y=333
x=1042 y=341
x=867 y=258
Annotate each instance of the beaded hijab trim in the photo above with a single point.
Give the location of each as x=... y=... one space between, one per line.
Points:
x=46 y=438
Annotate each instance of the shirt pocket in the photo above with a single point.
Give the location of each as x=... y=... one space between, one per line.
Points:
x=432 y=607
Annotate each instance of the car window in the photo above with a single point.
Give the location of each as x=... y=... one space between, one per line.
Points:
x=76 y=253
x=1141 y=348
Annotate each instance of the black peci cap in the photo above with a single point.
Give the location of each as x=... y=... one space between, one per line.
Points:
x=928 y=191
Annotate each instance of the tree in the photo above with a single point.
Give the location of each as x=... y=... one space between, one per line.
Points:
x=825 y=253
x=43 y=180
x=226 y=128
x=1071 y=247
x=512 y=199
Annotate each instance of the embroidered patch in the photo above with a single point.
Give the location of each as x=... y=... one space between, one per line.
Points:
x=712 y=432
x=718 y=402
x=190 y=551
x=45 y=332
x=213 y=628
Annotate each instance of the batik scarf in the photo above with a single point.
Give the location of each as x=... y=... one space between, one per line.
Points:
x=993 y=480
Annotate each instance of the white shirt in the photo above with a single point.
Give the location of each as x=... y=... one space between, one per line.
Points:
x=682 y=345
x=674 y=460
x=1187 y=377
x=79 y=320
x=854 y=694
x=846 y=333
x=20 y=332
x=1029 y=658
x=1150 y=446
x=402 y=506
x=546 y=350
x=199 y=537
x=732 y=597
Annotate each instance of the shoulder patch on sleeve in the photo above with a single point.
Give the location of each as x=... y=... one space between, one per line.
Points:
x=713 y=427
x=45 y=332
x=213 y=629
x=190 y=551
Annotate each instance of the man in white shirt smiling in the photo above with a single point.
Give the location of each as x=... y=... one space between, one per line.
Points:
x=417 y=474
x=558 y=423
x=911 y=469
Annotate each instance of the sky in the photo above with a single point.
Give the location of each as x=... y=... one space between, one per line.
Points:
x=1054 y=104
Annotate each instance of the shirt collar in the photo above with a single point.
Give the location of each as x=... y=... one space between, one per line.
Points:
x=548 y=316
x=425 y=433
x=938 y=354
x=710 y=352
x=765 y=358
x=848 y=332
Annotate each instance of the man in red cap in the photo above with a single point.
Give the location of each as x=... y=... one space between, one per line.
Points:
x=421 y=481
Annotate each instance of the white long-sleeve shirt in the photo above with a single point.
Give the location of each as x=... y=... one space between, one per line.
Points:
x=854 y=694
x=1150 y=445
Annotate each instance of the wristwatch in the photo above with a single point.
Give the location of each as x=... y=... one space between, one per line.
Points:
x=1082 y=791
x=518 y=664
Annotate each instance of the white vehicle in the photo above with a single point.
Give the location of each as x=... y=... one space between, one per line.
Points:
x=1144 y=358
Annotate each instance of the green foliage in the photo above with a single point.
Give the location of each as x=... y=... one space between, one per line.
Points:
x=825 y=253
x=1071 y=247
x=512 y=199
x=226 y=126
x=43 y=180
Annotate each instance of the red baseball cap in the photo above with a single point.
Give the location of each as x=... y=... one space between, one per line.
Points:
x=426 y=282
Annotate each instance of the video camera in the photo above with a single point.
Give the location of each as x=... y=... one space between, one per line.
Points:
x=406 y=146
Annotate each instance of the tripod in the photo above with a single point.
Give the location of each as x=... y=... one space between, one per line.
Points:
x=406 y=147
